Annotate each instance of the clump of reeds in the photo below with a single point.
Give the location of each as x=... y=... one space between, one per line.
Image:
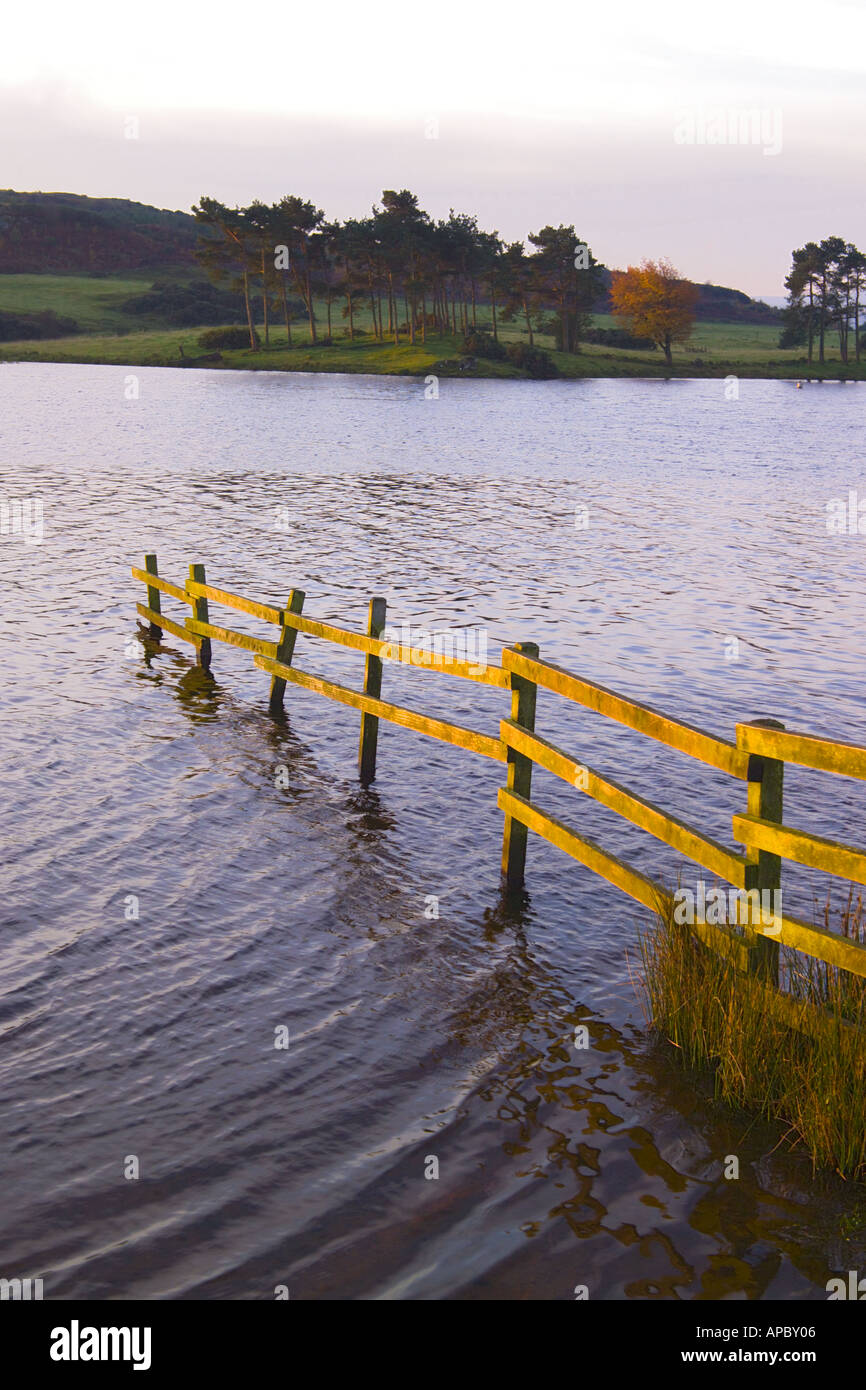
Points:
x=811 y=1078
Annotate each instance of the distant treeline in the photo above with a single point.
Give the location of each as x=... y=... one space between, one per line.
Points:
x=412 y=273
x=824 y=287
x=415 y=274
x=409 y=273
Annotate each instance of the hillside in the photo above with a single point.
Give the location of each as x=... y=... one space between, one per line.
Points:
x=721 y=305
x=69 y=234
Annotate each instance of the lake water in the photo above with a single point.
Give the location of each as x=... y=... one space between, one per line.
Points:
x=263 y=907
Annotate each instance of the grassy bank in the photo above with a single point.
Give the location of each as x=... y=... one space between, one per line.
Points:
x=162 y=348
x=114 y=336
x=717 y=1019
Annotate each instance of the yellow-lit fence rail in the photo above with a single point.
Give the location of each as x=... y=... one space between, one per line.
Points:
x=756 y=759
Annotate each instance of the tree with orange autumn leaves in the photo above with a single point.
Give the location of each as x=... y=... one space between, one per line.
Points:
x=653 y=302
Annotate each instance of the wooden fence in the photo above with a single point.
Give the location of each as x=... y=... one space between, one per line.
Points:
x=756 y=758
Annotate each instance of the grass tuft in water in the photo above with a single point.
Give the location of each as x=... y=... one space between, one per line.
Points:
x=717 y=1018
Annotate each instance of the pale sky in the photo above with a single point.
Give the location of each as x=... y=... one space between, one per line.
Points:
x=604 y=116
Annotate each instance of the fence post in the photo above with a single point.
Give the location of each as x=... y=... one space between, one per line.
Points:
x=515 y=834
x=372 y=686
x=200 y=613
x=153 y=599
x=285 y=650
x=764 y=782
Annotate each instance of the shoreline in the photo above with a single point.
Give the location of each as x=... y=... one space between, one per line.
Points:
x=684 y=372
x=441 y=359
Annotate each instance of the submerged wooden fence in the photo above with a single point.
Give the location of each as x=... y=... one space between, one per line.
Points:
x=756 y=759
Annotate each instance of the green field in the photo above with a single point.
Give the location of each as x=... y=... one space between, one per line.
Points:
x=92 y=301
x=743 y=341
x=111 y=336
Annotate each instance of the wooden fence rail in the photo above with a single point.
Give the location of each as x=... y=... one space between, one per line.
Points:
x=757 y=758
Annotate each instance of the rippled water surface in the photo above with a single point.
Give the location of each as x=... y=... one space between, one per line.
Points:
x=303 y=906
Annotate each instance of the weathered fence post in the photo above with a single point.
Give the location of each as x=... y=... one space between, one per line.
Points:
x=765 y=777
x=285 y=650
x=153 y=600
x=515 y=834
x=200 y=613
x=372 y=686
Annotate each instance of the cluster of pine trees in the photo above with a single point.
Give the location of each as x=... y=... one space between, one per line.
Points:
x=412 y=273
x=824 y=287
